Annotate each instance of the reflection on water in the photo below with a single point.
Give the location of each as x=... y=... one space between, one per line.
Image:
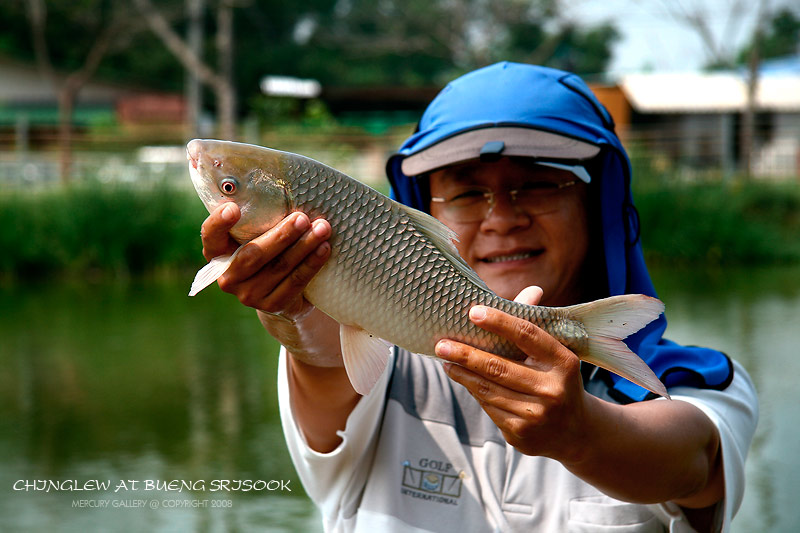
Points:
x=118 y=382
x=754 y=316
x=139 y=382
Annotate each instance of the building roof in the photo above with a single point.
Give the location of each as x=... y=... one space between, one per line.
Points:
x=24 y=84
x=708 y=92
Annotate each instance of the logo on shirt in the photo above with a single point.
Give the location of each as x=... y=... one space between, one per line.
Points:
x=432 y=480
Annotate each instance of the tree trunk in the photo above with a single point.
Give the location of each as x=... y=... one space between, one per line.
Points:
x=67 y=94
x=227 y=96
x=194 y=96
x=221 y=85
x=747 y=134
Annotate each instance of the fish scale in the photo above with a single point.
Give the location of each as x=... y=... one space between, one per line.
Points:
x=394 y=273
x=444 y=298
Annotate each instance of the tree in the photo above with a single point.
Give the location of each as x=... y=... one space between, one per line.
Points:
x=781 y=37
x=421 y=42
x=103 y=22
x=338 y=42
x=220 y=81
x=719 y=46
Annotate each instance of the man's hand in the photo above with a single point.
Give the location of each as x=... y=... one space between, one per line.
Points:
x=645 y=452
x=537 y=404
x=271 y=271
x=270 y=274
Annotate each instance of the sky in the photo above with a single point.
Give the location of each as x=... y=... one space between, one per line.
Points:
x=654 y=39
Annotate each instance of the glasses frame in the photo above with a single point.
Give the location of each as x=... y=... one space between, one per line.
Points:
x=490 y=195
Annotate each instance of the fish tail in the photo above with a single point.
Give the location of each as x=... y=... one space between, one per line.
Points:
x=610 y=320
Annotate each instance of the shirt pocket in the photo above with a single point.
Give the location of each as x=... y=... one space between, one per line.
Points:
x=599 y=514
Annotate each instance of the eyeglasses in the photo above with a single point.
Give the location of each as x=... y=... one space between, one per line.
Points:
x=474 y=204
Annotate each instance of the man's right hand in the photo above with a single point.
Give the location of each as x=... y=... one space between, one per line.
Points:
x=272 y=271
x=270 y=274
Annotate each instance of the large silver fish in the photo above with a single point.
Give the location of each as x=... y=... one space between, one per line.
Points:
x=394 y=272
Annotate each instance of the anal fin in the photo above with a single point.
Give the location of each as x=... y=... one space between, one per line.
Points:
x=365 y=357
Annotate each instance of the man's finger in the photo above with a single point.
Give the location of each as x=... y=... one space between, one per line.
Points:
x=541 y=347
x=215 y=228
x=268 y=247
x=286 y=294
x=282 y=279
x=530 y=295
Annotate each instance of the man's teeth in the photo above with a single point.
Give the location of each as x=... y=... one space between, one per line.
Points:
x=514 y=257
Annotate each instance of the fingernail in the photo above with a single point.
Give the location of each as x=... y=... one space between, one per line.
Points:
x=227 y=213
x=477 y=313
x=446 y=365
x=322 y=249
x=319 y=229
x=443 y=349
x=301 y=222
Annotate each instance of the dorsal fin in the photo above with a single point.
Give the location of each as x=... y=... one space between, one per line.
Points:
x=444 y=239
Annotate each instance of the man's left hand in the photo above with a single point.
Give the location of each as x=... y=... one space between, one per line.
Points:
x=538 y=404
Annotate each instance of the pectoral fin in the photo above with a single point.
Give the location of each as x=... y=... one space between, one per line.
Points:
x=212 y=271
x=365 y=357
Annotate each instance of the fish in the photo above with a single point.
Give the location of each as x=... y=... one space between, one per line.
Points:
x=394 y=276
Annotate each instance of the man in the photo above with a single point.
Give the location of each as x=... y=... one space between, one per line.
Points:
x=522 y=162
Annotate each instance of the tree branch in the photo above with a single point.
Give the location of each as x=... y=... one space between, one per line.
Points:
x=158 y=24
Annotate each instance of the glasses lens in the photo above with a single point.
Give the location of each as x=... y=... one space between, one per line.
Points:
x=470 y=205
x=533 y=198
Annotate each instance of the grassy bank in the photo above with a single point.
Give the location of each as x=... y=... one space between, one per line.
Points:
x=737 y=223
x=97 y=229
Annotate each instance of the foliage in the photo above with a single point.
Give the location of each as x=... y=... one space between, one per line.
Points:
x=721 y=223
x=94 y=227
x=429 y=42
x=274 y=111
x=358 y=42
x=71 y=28
x=781 y=37
x=120 y=230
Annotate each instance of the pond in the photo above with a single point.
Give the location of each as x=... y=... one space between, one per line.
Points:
x=164 y=407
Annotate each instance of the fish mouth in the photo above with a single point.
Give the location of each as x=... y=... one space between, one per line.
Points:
x=511 y=256
x=193 y=149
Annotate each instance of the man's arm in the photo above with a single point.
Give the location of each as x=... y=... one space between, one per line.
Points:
x=270 y=274
x=649 y=452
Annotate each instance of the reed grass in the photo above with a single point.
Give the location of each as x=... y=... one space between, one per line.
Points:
x=95 y=229
x=736 y=223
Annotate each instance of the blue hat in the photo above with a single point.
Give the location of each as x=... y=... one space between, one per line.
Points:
x=551 y=115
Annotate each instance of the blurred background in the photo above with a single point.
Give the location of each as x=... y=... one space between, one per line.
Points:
x=108 y=371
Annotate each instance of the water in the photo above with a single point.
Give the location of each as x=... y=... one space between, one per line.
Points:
x=754 y=316
x=135 y=382
x=138 y=382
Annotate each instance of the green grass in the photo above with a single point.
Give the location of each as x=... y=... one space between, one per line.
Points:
x=95 y=229
x=737 y=223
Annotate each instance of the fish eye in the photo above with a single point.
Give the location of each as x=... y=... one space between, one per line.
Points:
x=228 y=186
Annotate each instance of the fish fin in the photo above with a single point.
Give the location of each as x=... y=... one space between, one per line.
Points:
x=444 y=239
x=610 y=320
x=212 y=271
x=365 y=357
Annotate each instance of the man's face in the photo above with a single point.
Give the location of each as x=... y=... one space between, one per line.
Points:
x=519 y=243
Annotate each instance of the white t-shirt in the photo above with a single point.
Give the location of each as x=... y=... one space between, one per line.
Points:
x=419 y=454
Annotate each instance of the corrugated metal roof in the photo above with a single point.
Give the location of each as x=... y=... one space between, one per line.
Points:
x=707 y=93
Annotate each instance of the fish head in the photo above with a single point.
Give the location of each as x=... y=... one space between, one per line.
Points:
x=249 y=175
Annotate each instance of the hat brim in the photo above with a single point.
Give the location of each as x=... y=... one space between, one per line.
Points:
x=513 y=141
